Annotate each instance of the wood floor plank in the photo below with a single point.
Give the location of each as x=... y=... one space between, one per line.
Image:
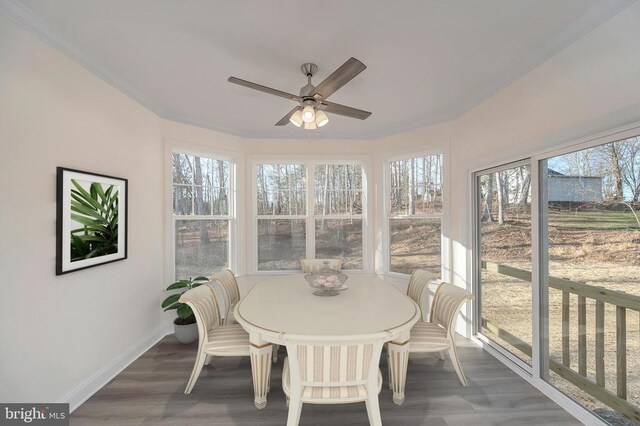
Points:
x=150 y=392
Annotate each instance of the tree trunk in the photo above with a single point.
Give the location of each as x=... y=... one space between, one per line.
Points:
x=616 y=168
x=487 y=214
x=222 y=197
x=412 y=187
x=526 y=187
x=327 y=197
x=197 y=180
x=500 y=189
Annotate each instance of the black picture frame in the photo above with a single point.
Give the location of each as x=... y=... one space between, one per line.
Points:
x=90 y=242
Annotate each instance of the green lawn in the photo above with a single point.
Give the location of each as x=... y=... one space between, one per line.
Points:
x=594 y=220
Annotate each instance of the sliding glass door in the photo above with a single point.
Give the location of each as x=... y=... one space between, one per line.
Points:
x=503 y=258
x=557 y=272
x=590 y=273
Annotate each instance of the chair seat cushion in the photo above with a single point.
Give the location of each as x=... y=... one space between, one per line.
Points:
x=327 y=394
x=428 y=337
x=227 y=340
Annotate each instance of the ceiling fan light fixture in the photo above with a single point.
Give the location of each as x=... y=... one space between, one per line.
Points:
x=321 y=118
x=308 y=114
x=310 y=126
x=296 y=118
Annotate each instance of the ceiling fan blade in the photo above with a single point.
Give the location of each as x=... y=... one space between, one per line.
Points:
x=264 y=89
x=339 y=78
x=345 y=110
x=285 y=120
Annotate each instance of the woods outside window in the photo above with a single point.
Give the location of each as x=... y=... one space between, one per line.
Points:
x=309 y=209
x=414 y=214
x=202 y=214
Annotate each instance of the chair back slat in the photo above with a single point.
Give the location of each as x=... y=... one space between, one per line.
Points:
x=312 y=265
x=331 y=364
x=227 y=280
x=447 y=303
x=204 y=304
x=418 y=282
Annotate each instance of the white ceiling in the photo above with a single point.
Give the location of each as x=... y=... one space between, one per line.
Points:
x=428 y=61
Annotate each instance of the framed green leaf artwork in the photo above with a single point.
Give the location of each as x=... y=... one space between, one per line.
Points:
x=91 y=226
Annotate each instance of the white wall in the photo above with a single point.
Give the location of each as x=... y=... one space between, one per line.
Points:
x=60 y=331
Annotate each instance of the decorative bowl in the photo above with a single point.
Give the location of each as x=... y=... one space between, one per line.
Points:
x=327 y=282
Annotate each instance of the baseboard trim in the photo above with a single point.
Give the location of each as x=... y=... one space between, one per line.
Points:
x=93 y=384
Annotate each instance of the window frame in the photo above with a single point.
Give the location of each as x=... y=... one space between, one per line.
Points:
x=445 y=244
x=309 y=162
x=173 y=147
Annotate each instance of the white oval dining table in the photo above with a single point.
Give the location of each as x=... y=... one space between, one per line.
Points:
x=286 y=304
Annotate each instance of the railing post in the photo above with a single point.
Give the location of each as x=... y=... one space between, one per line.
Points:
x=621 y=351
x=582 y=335
x=600 y=343
x=566 y=354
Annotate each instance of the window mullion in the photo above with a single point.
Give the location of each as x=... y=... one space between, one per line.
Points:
x=311 y=223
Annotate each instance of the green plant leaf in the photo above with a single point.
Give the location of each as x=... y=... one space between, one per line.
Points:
x=184 y=311
x=174 y=306
x=86 y=196
x=83 y=209
x=200 y=279
x=92 y=224
x=179 y=284
x=171 y=300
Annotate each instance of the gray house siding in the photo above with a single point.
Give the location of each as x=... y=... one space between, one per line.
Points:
x=581 y=189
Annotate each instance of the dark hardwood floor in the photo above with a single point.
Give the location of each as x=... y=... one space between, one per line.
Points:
x=150 y=392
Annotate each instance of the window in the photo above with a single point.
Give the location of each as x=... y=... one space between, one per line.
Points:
x=338 y=213
x=282 y=213
x=308 y=210
x=503 y=244
x=201 y=214
x=414 y=214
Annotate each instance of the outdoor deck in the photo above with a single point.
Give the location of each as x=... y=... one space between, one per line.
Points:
x=150 y=392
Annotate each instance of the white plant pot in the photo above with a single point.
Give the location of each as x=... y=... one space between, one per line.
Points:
x=186 y=333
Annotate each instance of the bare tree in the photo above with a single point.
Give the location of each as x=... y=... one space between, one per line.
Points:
x=199 y=201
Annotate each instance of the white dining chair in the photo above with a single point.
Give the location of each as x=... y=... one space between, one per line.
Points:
x=215 y=339
x=438 y=334
x=418 y=283
x=333 y=371
x=312 y=265
x=227 y=281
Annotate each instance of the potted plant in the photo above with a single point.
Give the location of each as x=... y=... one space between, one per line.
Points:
x=185 y=328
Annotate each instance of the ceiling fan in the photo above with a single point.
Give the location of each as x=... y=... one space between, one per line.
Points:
x=312 y=99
